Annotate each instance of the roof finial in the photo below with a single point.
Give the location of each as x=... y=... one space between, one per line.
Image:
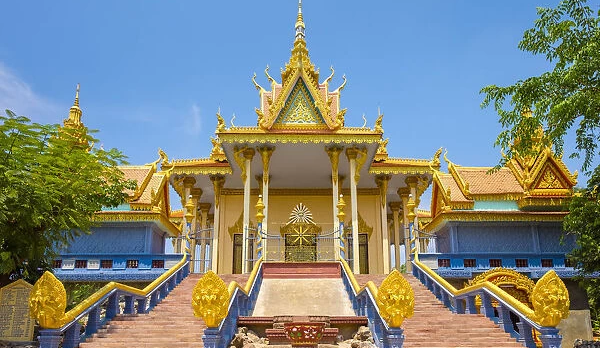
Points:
x=74 y=119
x=299 y=23
x=76 y=103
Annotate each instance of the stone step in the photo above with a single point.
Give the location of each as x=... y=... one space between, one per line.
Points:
x=301 y=270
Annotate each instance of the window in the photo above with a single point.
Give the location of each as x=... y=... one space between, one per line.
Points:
x=547 y=263
x=106 y=263
x=469 y=263
x=569 y=263
x=158 y=263
x=522 y=262
x=443 y=262
x=495 y=263
x=57 y=264
x=133 y=263
x=80 y=263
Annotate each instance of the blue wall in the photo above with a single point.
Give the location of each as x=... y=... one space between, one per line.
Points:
x=120 y=238
x=503 y=238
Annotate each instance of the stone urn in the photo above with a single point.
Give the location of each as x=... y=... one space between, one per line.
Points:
x=304 y=334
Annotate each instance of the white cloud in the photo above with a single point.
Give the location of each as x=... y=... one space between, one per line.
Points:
x=17 y=95
x=194 y=121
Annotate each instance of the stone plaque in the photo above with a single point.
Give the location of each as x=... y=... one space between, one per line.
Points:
x=15 y=322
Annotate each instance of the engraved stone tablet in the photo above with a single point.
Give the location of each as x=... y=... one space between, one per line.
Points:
x=15 y=323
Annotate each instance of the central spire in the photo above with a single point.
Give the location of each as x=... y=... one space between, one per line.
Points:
x=299 y=23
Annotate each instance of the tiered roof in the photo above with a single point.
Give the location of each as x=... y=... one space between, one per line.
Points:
x=533 y=188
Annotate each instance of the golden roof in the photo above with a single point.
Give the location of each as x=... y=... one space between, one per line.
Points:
x=540 y=183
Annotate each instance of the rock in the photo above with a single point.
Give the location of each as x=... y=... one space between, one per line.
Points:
x=249 y=345
x=242 y=330
x=363 y=333
x=355 y=344
x=366 y=344
x=238 y=340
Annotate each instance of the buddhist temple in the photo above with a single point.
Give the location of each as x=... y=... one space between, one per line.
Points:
x=300 y=186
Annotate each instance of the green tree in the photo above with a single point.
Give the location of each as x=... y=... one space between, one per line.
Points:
x=52 y=180
x=564 y=98
x=567 y=97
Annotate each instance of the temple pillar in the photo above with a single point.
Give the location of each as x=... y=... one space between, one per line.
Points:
x=248 y=154
x=265 y=153
x=404 y=192
x=195 y=193
x=218 y=182
x=205 y=234
x=334 y=156
x=412 y=182
x=395 y=207
x=382 y=183
x=352 y=154
x=188 y=184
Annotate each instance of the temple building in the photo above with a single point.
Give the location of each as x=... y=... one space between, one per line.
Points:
x=301 y=167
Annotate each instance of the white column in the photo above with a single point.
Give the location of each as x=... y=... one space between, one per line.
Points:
x=204 y=208
x=265 y=153
x=218 y=182
x=395 y=206
x=334 y=157
x=352 y=153
x=404 y=192
x=248 y=155
x=382 y=183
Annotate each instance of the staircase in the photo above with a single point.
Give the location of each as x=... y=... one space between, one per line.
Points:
x=170 y=324
x=433 y=325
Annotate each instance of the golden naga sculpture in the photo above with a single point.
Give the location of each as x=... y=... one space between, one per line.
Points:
x=210 y=299
x=550 y=300
x=395 y=299
x=47 y=301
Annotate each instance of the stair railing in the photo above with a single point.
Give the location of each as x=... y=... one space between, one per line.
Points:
x=241 y=303
x=550 y=301
x=100 y=307
x=364 y=303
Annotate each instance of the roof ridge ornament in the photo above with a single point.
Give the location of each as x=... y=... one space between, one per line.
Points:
x=74 y=119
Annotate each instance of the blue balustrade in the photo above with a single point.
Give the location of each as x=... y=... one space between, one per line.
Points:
x=240 y=304
x=365 y=304
x=109 y=297
x=465 y=303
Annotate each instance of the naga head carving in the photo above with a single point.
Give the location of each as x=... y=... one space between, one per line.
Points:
x=550 y=299
x=47 y=301
x=395 y=299
x=210 y=299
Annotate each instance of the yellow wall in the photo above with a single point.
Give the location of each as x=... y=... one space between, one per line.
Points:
x=280 y=207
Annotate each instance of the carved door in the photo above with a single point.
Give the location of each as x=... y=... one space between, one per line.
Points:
x=301 y=243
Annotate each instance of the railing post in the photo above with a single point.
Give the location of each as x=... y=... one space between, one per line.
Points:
x=49 y=338
x=504 y=319
x=164 y=291
x=93 y=321
x=71 y=339
x=394 y=338
x=460 y=306
x=550 y=337
x=141 y=305
x=112 y=308
x=154 y=299
x=211 y=337
x=525 y=335
x=471 y=309
x=486 y=305
x=446 y=299
x=128 y=304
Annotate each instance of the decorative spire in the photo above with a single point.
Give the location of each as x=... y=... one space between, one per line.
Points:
x=299 y=23
x=75 y=113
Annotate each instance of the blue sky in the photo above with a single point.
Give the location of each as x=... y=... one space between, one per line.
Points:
x=153 y=73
